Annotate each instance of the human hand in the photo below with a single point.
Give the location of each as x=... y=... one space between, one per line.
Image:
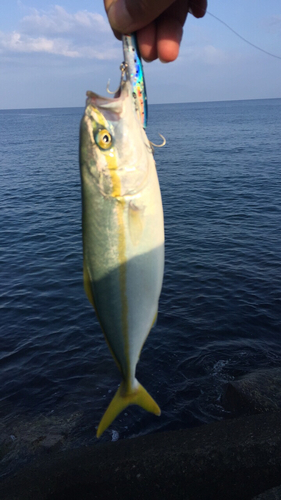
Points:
x=159 y=23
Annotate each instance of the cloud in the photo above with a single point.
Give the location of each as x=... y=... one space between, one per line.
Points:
x=58 y=21
x=16 y=42
x=83 y=34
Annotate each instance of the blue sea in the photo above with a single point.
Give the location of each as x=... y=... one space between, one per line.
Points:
x=220 y=307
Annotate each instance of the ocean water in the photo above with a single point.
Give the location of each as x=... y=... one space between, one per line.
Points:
x=220 y=308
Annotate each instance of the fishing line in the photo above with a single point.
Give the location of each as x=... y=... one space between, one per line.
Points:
x=240 y=36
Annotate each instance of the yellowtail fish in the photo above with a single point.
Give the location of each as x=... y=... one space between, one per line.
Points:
x=123 y=235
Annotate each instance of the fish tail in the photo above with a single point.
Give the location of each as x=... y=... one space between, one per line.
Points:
x=138 y=396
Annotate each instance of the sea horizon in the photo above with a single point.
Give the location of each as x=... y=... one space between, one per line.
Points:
x=151 y=104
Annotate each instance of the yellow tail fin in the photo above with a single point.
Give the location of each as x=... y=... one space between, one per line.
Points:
x=139 y=396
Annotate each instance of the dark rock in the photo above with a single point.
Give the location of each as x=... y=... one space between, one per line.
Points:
x=6 y=444
x=52 y=442
x=272 y=494
x=256 y=392
x=232 y=459
x=27 y=436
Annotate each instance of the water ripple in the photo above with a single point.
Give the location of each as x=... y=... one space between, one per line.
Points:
x=219 y=312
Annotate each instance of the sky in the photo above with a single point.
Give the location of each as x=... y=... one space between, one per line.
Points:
x=51 y=53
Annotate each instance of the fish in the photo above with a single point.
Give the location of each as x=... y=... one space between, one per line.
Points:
x=123 y=234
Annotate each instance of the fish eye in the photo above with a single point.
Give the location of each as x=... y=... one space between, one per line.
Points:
x=103 y=139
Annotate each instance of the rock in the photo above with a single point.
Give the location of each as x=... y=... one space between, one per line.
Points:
x=6 y=444
x=25 y=436
x=233 y=459
x=256 y=392
x=272 y=494
x=52 y=442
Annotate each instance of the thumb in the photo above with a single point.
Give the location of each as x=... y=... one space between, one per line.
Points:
x=126 y=16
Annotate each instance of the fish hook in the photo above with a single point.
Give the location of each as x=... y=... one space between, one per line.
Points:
x=123 y=69
x=109 y=91
x=159 y=145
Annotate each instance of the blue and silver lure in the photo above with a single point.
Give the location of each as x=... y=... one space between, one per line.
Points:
x=133 y=63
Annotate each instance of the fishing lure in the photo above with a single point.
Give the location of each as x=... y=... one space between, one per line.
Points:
x=133 y=64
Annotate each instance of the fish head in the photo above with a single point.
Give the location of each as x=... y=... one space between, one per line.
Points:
x=113 y=145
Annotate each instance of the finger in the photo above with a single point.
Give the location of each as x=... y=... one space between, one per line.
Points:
x=198 y=7
x=147 y=42
x=170 y=30
x=169 y=35
x=126 y=16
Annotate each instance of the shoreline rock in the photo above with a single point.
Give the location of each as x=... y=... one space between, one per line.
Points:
x=256 y=392
x=234 y=459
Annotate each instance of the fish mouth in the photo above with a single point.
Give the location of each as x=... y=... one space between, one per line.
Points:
x=111 y=104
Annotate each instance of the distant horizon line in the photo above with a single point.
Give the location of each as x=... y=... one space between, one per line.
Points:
x=154 y=104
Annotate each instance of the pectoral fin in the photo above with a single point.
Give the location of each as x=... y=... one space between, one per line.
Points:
x=87 y=285
x=136 y=223
x=122 y=399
